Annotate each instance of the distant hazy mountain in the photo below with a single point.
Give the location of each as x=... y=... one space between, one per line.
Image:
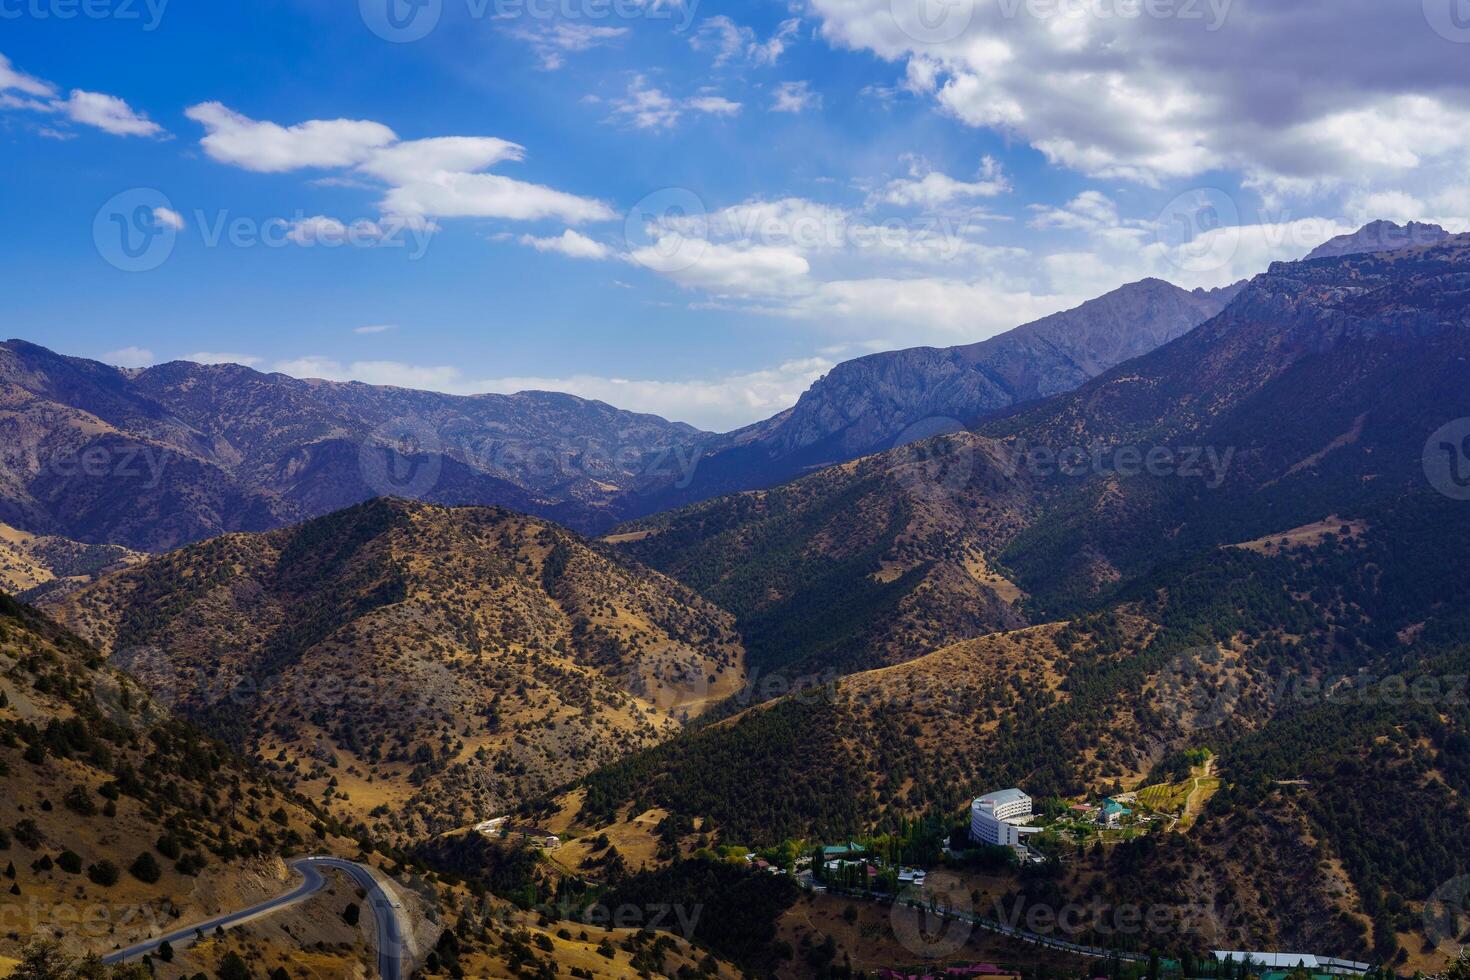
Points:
x=1380 y=236
x=869 y=404
x=157 y=458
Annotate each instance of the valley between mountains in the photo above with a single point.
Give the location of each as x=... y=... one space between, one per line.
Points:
x=1203 y=550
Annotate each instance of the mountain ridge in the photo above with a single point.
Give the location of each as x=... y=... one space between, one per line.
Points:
x=873 y=402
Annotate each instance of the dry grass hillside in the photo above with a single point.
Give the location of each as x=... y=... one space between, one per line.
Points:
x=119 y=823
x=98 y=777
x=866 y=564
x=417 y=667
x=33 y=563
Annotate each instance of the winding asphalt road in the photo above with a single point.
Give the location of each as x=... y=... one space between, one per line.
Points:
x=386 y=910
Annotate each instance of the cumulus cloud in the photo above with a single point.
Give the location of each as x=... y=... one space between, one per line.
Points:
x=569 y=243
x=741 y=270
x=96 y=109
x=718 y=404
x=394 y=374
x=731 y=42
x=216 y=357
x=1146 y=97
x=552 y=44
x=109 y=114
x=714 y=104
x=323 y=230
x=795 y=97
x=644 y=106
x=927 y=187
x=130 y=357
x=267 y=147
x=13 y=79
x=169 y=218
x=427 y=178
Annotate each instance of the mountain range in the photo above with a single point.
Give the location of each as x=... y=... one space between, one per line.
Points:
x=1270 y=504
x=156 y=458
x=869 y=404
x=1205 y=551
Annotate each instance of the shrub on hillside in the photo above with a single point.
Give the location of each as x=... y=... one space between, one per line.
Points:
x=145 y=868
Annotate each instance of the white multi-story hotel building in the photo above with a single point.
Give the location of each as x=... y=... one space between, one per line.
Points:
x=999 y=818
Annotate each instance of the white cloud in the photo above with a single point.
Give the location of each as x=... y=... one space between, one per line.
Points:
x=375 y=328
x=169 y=218
x=929 y=188
x=731 y=42
x=795 y=97
x=392 y=373
x=739 y=270
x=473 y=195
x=426 y=159
x=714 y=104
x=13 y=79
x=1089 y=211
x=948 y=310
x=1154 y=92
x=718 y=404
x=647 y=107
x=769 y=51
x=214 y=357
x=428 y=178
x=551 y=44
x=266 y=147
x=109 y=114
x=323 y=230
x=130 y=357
x=570 y=244
x=105 y=112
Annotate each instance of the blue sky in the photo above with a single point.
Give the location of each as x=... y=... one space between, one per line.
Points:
x=807 y=181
